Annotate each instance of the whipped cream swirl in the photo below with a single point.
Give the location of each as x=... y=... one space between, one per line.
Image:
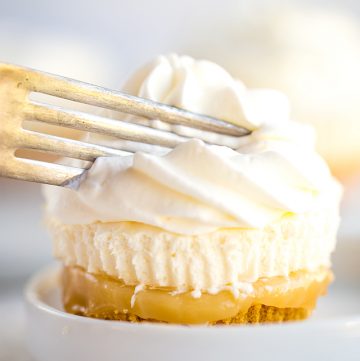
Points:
x=198 y=188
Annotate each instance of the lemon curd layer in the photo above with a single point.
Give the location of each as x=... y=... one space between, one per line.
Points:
x=101 y=296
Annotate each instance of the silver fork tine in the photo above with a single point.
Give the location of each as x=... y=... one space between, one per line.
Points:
x=93 y=123
x=94 y=95
x=17 y=83
x=41 y=172
x=66 y=147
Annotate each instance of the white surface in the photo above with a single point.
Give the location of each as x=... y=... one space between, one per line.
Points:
x=24 y=242
x=12 y=347
x=333 y=330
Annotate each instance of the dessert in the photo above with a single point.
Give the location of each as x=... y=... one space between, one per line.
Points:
x=201 y=234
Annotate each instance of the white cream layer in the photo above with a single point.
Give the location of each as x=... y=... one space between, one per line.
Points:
x=197 y=189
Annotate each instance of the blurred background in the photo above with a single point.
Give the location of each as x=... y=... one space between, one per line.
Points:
x=308 y=49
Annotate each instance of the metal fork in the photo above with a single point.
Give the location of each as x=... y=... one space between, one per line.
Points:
x=16 y=83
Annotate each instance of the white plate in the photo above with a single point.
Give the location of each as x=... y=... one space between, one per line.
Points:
x=332 y=333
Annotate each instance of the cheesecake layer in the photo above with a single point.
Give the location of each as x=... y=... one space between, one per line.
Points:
x=225 y=259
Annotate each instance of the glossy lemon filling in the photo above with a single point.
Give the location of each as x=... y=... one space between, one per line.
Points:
x=101 y=296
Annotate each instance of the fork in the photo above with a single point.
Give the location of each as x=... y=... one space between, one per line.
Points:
x=16 y=84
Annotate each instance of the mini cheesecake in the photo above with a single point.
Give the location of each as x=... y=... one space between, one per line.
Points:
x=218 y=230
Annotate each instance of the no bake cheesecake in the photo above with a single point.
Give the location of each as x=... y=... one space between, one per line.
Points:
x=201 y=234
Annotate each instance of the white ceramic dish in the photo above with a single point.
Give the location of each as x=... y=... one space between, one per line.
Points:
x=333 y=332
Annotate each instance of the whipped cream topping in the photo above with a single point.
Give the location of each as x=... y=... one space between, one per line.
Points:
x=204 y=87
x=197 y=188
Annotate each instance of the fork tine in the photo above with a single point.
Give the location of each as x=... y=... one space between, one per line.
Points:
x=66 y=147
x=41 y=172
x=94 y=95
x=94 y=123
